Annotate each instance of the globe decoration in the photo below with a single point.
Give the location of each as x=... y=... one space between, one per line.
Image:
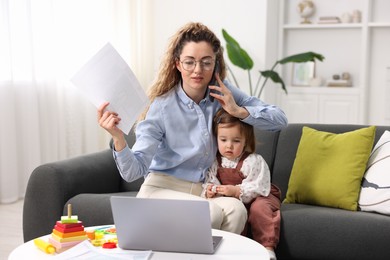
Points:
x=306 y=9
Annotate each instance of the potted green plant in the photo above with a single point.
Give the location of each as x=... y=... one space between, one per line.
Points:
x=240 y=58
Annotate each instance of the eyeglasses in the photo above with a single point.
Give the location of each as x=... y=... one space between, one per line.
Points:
x=190 y=64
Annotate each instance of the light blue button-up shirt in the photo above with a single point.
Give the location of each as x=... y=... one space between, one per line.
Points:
x=176 y=136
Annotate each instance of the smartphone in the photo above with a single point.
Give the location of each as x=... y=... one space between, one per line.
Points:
x=214 y=81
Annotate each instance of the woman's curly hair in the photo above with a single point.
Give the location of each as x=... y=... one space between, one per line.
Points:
x=169 y=76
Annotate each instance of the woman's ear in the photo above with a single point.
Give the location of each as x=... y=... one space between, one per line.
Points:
x=178 y=65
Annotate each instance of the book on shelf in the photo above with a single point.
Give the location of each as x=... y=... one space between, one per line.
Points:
x=339 y=83
x=328 y=22
x=329 y=19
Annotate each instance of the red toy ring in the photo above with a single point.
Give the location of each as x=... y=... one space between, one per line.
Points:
x=109 y=245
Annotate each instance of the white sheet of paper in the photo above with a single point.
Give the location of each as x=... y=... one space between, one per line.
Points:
x=107 y=77
x=85 y=250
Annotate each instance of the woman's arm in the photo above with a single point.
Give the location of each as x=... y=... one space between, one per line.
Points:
x=248 y=108
x=261 y=115
x=135 y=162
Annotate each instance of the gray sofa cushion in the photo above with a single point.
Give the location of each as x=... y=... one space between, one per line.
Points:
x=313 y=232
x=266 y=146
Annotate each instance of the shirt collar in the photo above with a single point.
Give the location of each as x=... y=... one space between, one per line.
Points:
x=185 y=99
x=183 y=96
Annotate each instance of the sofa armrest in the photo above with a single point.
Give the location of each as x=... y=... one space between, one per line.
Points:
x=51 y=185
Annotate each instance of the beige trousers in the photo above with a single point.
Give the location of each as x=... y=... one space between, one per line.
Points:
x=226 y=213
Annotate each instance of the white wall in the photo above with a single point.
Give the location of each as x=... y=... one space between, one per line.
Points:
x=244 y=20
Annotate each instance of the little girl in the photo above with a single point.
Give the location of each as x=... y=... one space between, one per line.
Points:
x=241 y=173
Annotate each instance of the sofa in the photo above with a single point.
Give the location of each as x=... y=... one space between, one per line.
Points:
x=307 y=231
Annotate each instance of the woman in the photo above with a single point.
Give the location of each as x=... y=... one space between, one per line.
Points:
x=174 y=142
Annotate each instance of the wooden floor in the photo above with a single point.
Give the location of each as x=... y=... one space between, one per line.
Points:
x=11 y=234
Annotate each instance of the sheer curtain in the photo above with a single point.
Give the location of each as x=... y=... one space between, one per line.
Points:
x=43 y=116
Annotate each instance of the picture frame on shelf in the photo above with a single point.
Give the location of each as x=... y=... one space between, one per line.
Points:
x=302 y=72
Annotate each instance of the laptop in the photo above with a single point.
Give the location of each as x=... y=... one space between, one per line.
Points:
x=163 y=225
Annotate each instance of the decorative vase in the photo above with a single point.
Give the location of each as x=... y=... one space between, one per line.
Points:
x=346 y=18
x=306 y=9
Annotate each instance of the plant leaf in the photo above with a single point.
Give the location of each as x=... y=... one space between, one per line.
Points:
x=236 y=54
x=302 y=57
x=274 y=76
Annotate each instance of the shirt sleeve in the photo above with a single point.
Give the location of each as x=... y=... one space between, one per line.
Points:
x=266 y=117
x=134 y=163
x=124 y=160
x=258 y=178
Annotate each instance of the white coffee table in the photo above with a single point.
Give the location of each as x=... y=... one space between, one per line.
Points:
x=233 y=246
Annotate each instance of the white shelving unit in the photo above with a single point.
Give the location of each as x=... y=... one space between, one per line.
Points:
x=361 y=49
x=387 y=115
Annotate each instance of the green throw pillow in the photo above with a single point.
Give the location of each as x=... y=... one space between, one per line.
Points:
x=328 y=168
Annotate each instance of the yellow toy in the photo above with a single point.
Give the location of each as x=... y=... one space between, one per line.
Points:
x=44 y=246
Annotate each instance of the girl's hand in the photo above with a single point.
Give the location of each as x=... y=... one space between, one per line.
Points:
x=229 y=191
x=226 y=99
x=210 y=191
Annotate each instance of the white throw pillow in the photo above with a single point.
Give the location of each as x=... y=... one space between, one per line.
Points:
x=375 y=191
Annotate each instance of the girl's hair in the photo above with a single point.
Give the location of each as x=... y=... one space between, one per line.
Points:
x=223 y=117
x=169 y=76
